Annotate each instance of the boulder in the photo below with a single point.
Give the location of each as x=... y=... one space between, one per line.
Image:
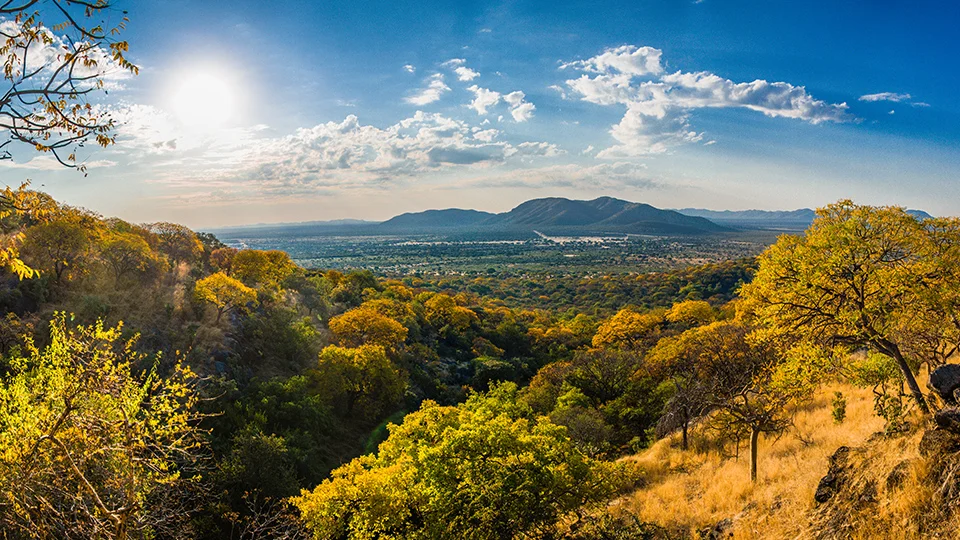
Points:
x=937 y=442
x=723 y=529
x=948 y=418
x=898 y=475
x=944 y=380
x=831 y=483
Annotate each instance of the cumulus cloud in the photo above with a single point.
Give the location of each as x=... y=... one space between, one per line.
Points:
x=483 y=99
x=886 y=96
x=658 y=106
x=432 y=92
x=627 y=59
x=466 y=74
x=409 y=68
x=520 y=109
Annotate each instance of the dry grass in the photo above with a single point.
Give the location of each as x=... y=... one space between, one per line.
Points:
x=687 y=491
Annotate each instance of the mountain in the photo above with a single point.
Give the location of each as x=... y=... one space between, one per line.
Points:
x=766 y=219
x=555 y=214
x=449 y=218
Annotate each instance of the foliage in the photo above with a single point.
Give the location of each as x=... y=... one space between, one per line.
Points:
x=484 y=469
x=86 y=442
x=48 y=77
x=629 y=330
x=224 y=292
x=363 y=325
x=838 y=407
x=266 y=269
x=360 y=380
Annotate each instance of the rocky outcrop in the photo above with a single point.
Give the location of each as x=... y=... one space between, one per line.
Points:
x=836 y=475
x=945 y=380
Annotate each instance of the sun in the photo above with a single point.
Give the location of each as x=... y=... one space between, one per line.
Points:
x=204 y=100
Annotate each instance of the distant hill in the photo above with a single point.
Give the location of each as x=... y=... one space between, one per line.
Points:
x=555 y=214
x=766 y=219
x=451 y=217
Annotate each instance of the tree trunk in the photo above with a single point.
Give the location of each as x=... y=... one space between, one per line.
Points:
x=683 y=443
x=754 y=440
x=911 y=380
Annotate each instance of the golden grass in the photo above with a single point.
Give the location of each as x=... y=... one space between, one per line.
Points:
x=687 y=491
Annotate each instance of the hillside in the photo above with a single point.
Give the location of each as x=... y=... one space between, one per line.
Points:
x=602 y=215
x=449 y=218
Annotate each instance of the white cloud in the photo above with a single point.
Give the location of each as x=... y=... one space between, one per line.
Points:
x=466 y=74
x=409 y=68
x=484 y=98
x=886 y=96
x=658 y=107
x=559 y=89
x=454 y=62
x=434 y=90
x=627 y=59
x=520 y=109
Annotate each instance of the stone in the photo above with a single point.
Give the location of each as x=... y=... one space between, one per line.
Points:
x=898 y=475
x=948 y=418
x=944 y=380
x=937 y=442
x=831 y=483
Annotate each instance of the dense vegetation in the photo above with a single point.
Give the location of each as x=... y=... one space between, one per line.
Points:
x=175 y=387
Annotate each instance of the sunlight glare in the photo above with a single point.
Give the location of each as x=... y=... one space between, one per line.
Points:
x=204 y=100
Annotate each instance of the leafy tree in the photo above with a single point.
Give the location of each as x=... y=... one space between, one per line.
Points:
x=177 y=242
x=127 y=253
x=87 y=447
x=222 y=259
x=691 y=313
x=629 y=330
x=224 y=292
x=360 y=380
x=364 y=326
x=265 y=269
x=443 y=313
x=485 y=469
x=853 y=278
x=58 y=247
x=751 y=386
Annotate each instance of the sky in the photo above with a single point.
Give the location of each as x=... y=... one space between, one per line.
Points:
x=259 y=112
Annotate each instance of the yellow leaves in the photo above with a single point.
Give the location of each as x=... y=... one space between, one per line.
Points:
x=224 y=292
x=365 y=326
x=628 y=329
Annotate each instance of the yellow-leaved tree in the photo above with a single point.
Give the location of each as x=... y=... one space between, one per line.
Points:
x=92 y=445
x=224 y=293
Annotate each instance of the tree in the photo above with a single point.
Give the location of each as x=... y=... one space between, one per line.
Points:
x=57 y=247
x=222 y=259
x=677 y=360
x=49 y=78
x=360 y=380
x=629 y=330
x=88 y=448
x=224 y=292
x=486 y=469
x=177 y=242
x=857 y=277
x=364 y=326
x=127 y=253
x=744 y=379
x=266 y=269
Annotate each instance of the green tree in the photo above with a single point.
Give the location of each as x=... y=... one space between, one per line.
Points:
x=177 y=242
x=88 y=448
x=127 y=253
x=485 y=469
x=57 y=247
x=629 y=330
x=361 y=380
x=224 y=292
x=266 y=269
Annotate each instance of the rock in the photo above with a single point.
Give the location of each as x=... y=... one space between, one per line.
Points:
x=936 y=442
x=948 y=418
x=723 y=529
x=869 y=493
x=831 y=483
x=944 y=380
x=898 y=475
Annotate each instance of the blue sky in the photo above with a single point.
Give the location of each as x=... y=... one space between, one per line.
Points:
x=250 y=112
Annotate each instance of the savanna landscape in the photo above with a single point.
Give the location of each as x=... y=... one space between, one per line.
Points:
x=291 y=332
